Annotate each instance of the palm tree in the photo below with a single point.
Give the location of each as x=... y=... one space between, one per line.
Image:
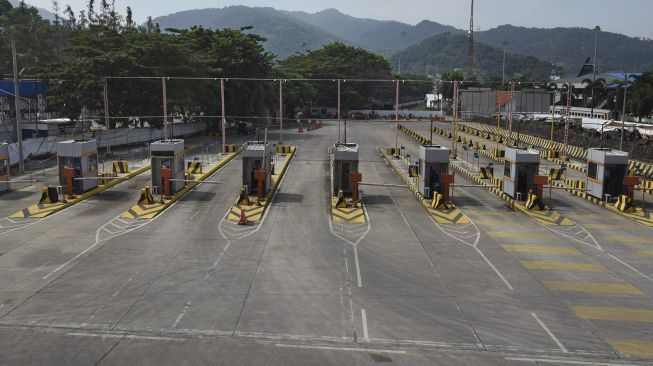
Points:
x=595 y=88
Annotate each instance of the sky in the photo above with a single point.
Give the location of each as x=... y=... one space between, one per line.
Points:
x=630 y=17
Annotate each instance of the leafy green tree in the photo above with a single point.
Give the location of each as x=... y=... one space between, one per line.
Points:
x=642 y=96
x=446 y=86
x=339 y=61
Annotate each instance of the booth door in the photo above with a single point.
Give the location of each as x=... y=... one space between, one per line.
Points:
x=614 y=180
x=522 y=181
x=344 y=177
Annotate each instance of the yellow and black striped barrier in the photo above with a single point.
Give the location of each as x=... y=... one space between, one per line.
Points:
x=283 y=149
x=556 y=174
x=194 y=167
x=438 y=202
x=121 y=167
x=146 y=196
x=485 y=173
x=625 y=204
x=230 y=148
x=534 y=203
x=49 y=195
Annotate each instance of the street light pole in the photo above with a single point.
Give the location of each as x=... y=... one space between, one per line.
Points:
x=597 y=29
x=503 y=77
x=623 y=115
x=19 y=127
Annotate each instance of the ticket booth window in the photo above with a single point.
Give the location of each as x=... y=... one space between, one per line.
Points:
x=506 y=170
x=592 y=170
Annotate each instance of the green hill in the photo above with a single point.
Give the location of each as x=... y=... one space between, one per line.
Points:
x=285 y=35
x=449 y=51
x=569 y=47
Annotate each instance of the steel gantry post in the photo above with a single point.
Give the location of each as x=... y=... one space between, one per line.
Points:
x=165 y=108
x=397 y=118
x=106 y=115
x=223 y=118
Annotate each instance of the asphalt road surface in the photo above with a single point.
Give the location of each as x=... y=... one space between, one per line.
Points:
x=176 y=290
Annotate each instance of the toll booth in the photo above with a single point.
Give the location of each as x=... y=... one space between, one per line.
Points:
x=521 y=167
x=433 y=163
x=4 y=166
x=77 y=159
x=345 y=161
x=257 y=167
x=167 y=158
x=606 y=170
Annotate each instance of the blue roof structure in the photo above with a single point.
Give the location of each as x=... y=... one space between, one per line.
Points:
x=25 y=87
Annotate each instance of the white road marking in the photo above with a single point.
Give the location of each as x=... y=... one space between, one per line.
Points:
x=181 y=315
x=548 y=331
x=366 y=335
x=631 y=267
x=109 y=335
x=367 y=350
x=563 y=361
x=358 y=268
x=505 y=281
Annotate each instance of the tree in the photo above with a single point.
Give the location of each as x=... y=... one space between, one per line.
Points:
x=596 y=88
x=446 y=86
x=642 y=96
x=339 y=61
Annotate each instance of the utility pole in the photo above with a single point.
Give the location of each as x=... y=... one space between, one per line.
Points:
x=107 y=124
x=623 y=115
x=281 y=111
x=570 y=95
x=19 y=127
x=455 y=118
x=503 y=73
x=223 y=118
x=397 y=118
x=597 y=29
x=512 y=100
x=470 y=46
x=338 y=110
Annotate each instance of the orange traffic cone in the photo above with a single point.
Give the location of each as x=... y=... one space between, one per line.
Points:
x=243 y=218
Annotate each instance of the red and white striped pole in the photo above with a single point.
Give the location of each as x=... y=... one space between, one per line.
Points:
x=165 y=108
x=512 y=101
x=281 y=112
x=570 y=95
x=397 y=118
x=454 y=148
x=338 y=110
x=223 y=118
x=106 y=115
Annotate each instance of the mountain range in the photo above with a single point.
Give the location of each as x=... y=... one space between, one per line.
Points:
x=291 y=32
x=447 y=51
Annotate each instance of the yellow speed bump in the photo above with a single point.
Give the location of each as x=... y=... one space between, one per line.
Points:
x=564 y=266
x=542 y=249
x=632 y=347
x=644 y=253
x=520 y=235
x=614 y=314
x=630 y=240
x=593 y=287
